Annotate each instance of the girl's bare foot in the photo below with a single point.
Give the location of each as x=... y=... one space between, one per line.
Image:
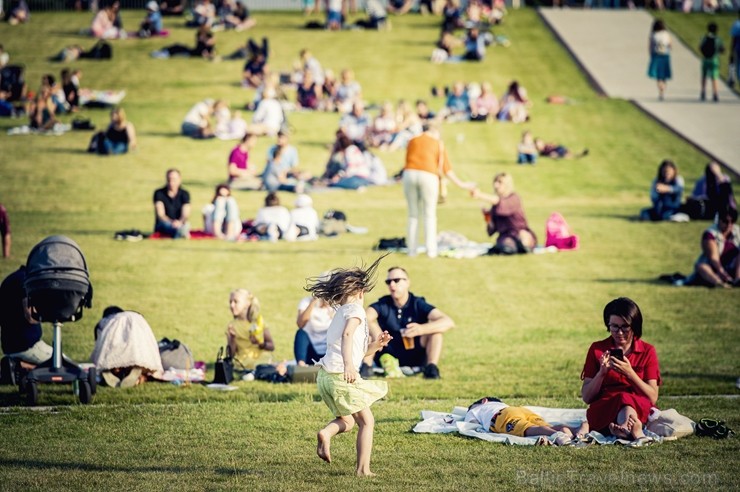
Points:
x=619 y=431
x=322 y=447
x=364 y=473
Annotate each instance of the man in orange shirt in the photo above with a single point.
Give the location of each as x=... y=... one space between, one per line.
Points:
x=427 y=163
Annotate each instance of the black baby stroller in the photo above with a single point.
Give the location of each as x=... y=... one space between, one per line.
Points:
x=58 y=287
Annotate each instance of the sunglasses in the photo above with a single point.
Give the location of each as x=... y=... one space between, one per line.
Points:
x=390 y=281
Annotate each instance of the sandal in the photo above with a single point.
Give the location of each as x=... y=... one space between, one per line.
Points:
x=642 y=441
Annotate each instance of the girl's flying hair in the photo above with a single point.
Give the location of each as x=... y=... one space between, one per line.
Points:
x=336 y=286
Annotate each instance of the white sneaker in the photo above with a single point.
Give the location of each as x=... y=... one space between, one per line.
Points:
x=679 y=217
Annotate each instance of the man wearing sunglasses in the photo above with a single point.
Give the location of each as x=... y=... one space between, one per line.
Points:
x=405 y=315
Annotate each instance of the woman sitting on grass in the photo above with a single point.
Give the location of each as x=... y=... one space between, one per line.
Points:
x=719 y=262
x=514 y=104
x=665 y=193
x=221 y=216
x=506 y=217
x=120 y=135
x=621 y=375
x=41 y=111
x=247 y=336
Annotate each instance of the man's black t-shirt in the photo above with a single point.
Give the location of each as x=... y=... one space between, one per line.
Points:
x=172 y=206
x=393 y=319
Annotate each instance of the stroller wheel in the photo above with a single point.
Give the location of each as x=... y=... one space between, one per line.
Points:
x=22 y=384
x=92 y=378
x=32 y=394
x=85 y=392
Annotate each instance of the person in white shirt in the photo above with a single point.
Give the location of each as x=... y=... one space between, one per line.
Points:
x=269 y=116
x=314 y=318
x=304 y=220
x=273 y=220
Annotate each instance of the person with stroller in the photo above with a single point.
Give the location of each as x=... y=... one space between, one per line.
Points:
x=20 y=334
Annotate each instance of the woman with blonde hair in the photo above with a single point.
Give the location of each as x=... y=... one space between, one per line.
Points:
x=247 y=336
x=506 y=217
x=120 y=135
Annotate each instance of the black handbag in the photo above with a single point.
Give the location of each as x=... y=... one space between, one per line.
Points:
x=224 y=367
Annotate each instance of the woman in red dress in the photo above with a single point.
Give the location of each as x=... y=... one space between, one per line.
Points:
x=621 y=375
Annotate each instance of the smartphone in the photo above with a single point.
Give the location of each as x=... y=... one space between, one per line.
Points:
x=616 y=353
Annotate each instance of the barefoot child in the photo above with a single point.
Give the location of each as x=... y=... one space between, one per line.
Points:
x=346 y=394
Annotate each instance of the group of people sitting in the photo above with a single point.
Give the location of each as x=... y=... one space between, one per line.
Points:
x=224 y=14
x=400 y=313
x=477 y=102
x=620 y=376
x=221 y=217
x=712 y=198
x=477 y=19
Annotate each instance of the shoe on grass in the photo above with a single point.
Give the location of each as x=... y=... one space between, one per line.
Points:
x=391 y=366
x=366 y=371
x=431 y=371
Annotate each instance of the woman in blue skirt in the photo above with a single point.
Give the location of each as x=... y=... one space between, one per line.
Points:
x=660 y=56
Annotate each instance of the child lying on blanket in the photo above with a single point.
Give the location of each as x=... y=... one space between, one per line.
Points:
x=498 y=417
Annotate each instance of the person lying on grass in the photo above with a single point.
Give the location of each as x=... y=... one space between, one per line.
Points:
x=498 y=417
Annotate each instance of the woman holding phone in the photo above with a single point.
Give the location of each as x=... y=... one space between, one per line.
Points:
x=621 y=375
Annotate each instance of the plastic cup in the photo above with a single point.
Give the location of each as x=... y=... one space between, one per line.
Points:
x=408 y=342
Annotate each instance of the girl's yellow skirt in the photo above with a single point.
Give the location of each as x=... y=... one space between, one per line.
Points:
x=345 y=398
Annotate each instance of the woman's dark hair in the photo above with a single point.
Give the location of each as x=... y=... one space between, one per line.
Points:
x=626 y=309
x=343 y=141
x=667 y=163
x=220 y=187
x=658 y=25
x=272 y=199
x=727 y=212
x=712 y=27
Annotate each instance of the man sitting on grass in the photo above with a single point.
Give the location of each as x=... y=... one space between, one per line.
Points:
x=404 y=315
x=172 y=208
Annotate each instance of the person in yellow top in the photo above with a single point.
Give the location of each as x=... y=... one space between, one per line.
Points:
x=247 y=336
x=427 y=163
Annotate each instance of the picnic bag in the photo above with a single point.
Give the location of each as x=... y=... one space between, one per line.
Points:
x=558 y=233
x=224 y=368
x=175 y=354
x=333 y=223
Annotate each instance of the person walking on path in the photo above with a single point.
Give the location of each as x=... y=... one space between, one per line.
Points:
x=734 y=75
x=660 y=56
x=711 y=47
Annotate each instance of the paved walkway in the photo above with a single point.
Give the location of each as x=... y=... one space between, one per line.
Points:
x=612 y=47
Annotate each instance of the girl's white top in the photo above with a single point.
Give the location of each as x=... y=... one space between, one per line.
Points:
x=332 y=361
x=661 y=42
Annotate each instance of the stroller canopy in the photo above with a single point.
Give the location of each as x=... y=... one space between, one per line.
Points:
x=57 y=280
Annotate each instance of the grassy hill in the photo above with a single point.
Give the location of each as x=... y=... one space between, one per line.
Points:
x=523 y=324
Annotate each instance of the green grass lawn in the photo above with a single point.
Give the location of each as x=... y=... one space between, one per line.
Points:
x=523 y=324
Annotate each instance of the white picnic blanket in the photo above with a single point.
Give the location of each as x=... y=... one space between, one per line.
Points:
x=103 y=97
x=126 y=340
x=444 y=423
